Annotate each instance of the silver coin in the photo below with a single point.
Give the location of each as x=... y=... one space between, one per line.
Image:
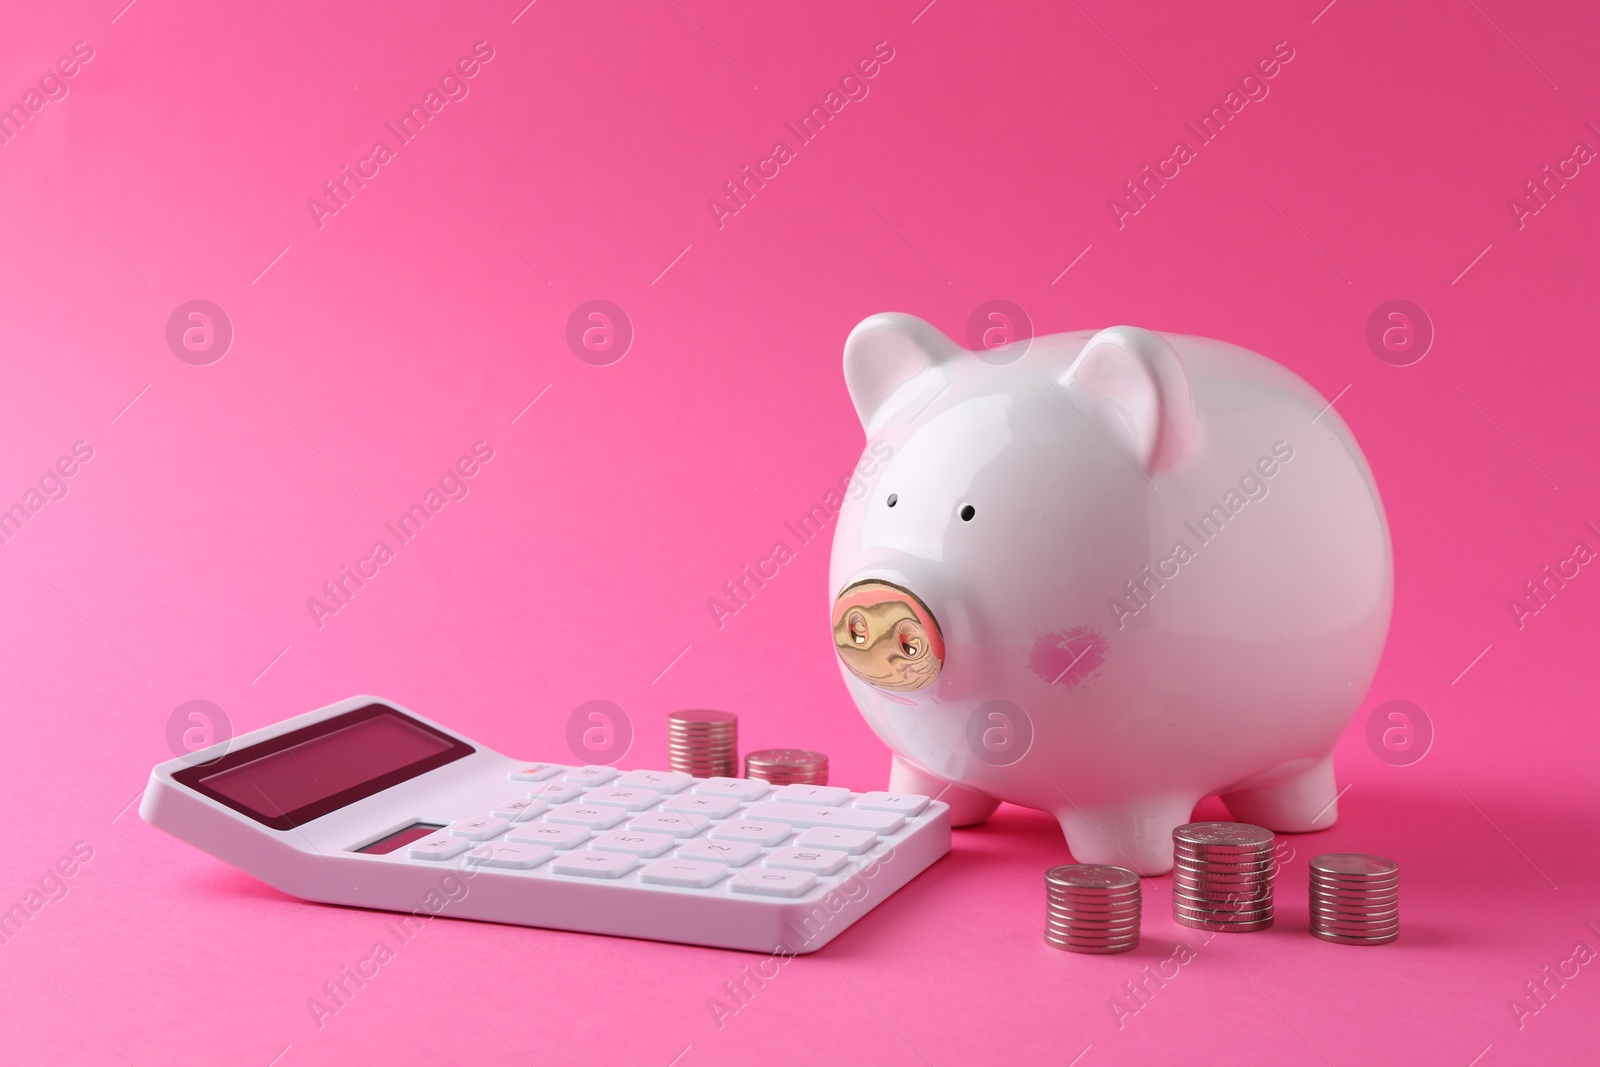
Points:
x=1081 y=893
x=1359 y=879
x=1223 y=835
x=1074 y=934
x=1088 y=904
x=1224 y=885
x=1101 y=900
x=1095 y=919
x=1355 y=865
x=1392 y=915
x=1231 y=915
x=1226 y=853
x=1212 y=891
x=1187 y=866
x=1069 y=937
x=1092 y=937
x=1349 y=907
x=1218 y=907
x=1358 y=903
x=1202 y=898
x=1236 y=917
x=1079 y=915
x=1090 y=915
x=1235 y=861
x=1355 y=887
x=1091 y=876
x=1346 y=939
x=1096 y=950
x=1352 y=909
x=1265 y=874
x=1354 y=926
x=1223 y=927
x=1354 y=901
x=1356 y=929
x=1056 y=922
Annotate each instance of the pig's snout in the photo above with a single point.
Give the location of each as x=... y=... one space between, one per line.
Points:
x=886 y=636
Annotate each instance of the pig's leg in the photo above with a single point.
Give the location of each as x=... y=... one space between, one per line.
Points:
x=1304 y=799
x=968 y=807
x=1136 y=835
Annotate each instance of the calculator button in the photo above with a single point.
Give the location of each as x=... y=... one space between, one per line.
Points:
x=745 y=789
x=727 y=853
x=556 y=792
x=588 y=864
x=438 y=847
x=855 y=842
x=829 y=796
x=590 y=775
x=908 y=804
x=685 y=873
x=594 y=816
x=660 y=781
x=710 y=807
x=634 y=843
x=512 y=857
x=535 y=772
x=480 y=829
x=815 y=860
x=628 y=799
x=766 y=882
x=521 y=809
x=879 y=822
x=676 y=823
x=762 y=833
x=555 y=835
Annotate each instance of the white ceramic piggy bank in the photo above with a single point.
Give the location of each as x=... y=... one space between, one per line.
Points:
x=1107 y=578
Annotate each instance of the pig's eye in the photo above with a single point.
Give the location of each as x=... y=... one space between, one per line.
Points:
x=967 y=511
x=894 y=498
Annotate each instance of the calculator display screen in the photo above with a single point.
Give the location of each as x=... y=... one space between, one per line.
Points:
x=307 y=773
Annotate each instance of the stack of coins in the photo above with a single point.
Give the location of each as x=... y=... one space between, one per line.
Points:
x=785 y=766
x=1091 y=908
x=703 y=743
x=1222 y=876
x=1355 y=899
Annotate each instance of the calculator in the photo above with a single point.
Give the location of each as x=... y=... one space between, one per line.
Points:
x=368 y=804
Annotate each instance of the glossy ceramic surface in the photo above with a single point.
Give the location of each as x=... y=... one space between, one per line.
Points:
x=1154 y=569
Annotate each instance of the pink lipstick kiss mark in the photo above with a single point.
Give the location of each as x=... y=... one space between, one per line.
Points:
x=1068 y=657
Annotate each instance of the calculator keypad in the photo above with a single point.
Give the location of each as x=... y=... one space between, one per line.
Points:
x=662 y=828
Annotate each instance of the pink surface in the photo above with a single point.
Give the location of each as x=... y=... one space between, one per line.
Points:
x=371 y=352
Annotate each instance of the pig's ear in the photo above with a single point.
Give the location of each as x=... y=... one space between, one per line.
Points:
x=1133 y=385
x=886 y=353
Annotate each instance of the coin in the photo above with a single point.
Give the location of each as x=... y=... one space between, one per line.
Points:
x=1231 y=866
x=1359 y=903
x=1094 y=914
x=1093 y=903
x=1092 y=876
x=1096 y=950
x=1221 y=884
x=1078 y=922
x=1238 y=915
x=1347 y=939
x=1354 y=865
x=1215 y=837
x=1229 y=927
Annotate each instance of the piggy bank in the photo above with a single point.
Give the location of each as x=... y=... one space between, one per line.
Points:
x=1106 y=576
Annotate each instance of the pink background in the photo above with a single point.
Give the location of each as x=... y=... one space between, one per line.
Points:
x=432 y=309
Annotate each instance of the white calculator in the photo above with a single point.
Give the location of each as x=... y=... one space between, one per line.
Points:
x=367 y=804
